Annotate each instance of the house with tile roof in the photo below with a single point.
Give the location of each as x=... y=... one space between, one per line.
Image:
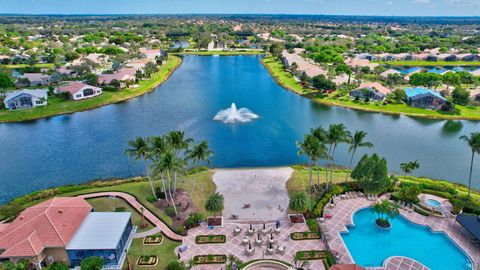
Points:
x=64 y=229
x=372 y=91
x=424 y=98
x=124 y=76
x=79 y=90
x=26 y=99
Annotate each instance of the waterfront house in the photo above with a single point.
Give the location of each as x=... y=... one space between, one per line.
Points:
x=95 y=58
x=447 y=57
x=424 y=98
x=64 y=229
x=358 y=63
x=79 y=90
x=303 y=66
x=65 y=71
x=26 y=99
x=386 y=57
x=432 y=58
x=124 y=77
x=468 y=57
x=367 y=56
x=387 y=72
x=373 y=91
x=475 y=72
x=405 y=56
x=32 y=79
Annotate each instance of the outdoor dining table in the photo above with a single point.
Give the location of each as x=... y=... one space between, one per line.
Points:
x=245 y=240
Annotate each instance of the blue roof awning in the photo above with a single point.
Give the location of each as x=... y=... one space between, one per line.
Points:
x=471 y=223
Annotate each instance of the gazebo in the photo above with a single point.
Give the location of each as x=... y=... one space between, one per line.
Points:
x=471 y=223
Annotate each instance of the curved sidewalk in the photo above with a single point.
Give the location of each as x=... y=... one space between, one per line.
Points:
x=135 y=204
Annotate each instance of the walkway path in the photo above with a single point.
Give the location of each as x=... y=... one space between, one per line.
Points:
x=135 y=204
x=147 y=233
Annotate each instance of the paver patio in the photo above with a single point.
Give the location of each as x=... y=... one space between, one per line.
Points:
x=234 y=246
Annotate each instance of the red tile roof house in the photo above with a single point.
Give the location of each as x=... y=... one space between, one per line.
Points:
x=34 y=79
x=64 y=229
x=79 y=90
x=124 y=76
x=373 y=91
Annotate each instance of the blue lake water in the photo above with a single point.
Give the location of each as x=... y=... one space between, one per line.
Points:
x=370 y=246
x=88 y=145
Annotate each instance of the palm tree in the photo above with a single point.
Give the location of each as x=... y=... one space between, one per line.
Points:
x=298 y=202
x=474 y=143
x=157 y=147
x=310 y=147
x=178 y=142
x=140 y=150
x=321 y=136
x=169 y=164
x=199 y=152
x=409 y=167
x=337 y=133
x=355 y=142
x=214 y=204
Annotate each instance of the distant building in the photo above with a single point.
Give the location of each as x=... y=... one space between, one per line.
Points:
x=303 y=66
x=26 y=99
x=373 y=91
x=124 y=76
x=389 y=72
x=32 y=79
x=424 y=98
x=79 y=90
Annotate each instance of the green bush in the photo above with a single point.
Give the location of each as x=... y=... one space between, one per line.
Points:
x=170 y=211
x=422 y=211
x=92 y=263
x=151 y=198
x=58 y=266
x=175 y=265
x=160 y=194
x=313 y=225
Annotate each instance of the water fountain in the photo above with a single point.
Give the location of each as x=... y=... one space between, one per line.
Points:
x=232 y=115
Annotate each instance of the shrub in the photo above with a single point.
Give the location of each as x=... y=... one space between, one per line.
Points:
x=175 y=265
x=151 y=198
x=58 y=266
x=170 y=211
x=312 y=225
x=120 y=209
x=92 y=263
x=159 y=192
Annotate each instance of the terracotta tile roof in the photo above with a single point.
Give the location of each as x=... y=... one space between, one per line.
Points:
x=74 y=87
x=377 y=86
x=48 y=224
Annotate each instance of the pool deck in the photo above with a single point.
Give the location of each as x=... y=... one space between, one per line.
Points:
x=342 y=215
x=234 y=245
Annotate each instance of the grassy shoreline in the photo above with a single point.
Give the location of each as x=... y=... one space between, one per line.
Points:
x=58 y=106
x=287 y=81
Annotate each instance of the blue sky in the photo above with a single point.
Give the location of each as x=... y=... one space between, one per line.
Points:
x=343 y=7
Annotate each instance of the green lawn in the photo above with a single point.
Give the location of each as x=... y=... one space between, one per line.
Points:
x=141 y=190
x=421 y=63
x=57 y=106
x=165 y=253
x=286 y=79
x=105 y=204
x=46 y=65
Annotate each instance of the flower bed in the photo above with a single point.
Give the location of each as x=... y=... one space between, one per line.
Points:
x=298 y=218
x=304 y=236
x=210 y=239
x=147 y=260
x=210 y=259
x=310 y=255
x=155 y=239
x=215 y=222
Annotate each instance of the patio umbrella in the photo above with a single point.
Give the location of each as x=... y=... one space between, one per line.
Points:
x=270 y=245
x=258 y=236
x=264 y=226
x=249 y=246
x=271 y=236
x=250 y=226
x=277 y=224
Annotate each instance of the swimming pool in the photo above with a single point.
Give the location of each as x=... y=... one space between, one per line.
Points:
x=370 y=246
x=433 y=203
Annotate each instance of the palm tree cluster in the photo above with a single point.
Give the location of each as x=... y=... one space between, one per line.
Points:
x=167 y=157
x=474 y=143
x=409 y=167
x=385 y=210
x=322 y=144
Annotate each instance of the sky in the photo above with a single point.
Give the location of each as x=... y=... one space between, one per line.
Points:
x=330 y=7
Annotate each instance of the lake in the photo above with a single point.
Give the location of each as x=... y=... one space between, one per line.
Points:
x=88 y=145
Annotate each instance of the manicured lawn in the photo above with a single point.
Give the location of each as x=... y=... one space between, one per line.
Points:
x=300 y=178
x=165 y=252
x=286 y=79
x=141 y=190
x=46 y=65
x=224 y=53
x=105 y=204
x=57 y=106
x=428 y=63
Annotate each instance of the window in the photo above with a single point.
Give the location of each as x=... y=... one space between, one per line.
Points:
x=88 y=92
x=25 y=101
x=38 y=102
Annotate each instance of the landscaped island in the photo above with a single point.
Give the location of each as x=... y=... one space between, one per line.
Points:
x=58 y=106
x=287 y=80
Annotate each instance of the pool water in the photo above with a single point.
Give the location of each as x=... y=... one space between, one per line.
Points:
x=433 y=203
x=370 y=246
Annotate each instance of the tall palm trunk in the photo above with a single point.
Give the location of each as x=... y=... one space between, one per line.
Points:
x=350 y=166
x=163 y=184
x=309 y=184
x=327 y=167
x=175 y=182
x=470 y=177
x=194 y=180
x=331 y=166
x=170 y=193
x=149 y=178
